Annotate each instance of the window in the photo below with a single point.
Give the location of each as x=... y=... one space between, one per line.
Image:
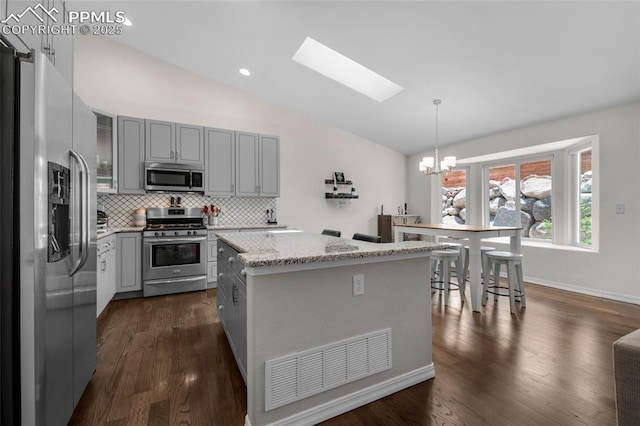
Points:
x=454 y=199
x=583 y=183
x=519 y=194
x=550 y=190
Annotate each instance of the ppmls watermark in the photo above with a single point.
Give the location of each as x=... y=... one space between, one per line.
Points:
x=39 y=20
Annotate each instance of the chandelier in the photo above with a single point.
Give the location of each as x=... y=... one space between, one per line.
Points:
x=431 y=165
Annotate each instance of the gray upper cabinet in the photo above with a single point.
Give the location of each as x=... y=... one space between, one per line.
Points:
x=173 y=143
x=58 y=48
x=220 y=162
x=130 y=155
x=160 y=141
x=106 y=153
x=257 y=165
x=247 y=152
x=189 y=144
x=269 y=166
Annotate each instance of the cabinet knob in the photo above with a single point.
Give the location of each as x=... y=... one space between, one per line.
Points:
x=243 y=272
x=230 y=260
x=220 y=307
x=220 y=250
x=220 y=275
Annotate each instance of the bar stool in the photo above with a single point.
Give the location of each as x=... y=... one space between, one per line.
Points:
x=441 y=266
x=515 y=283
x=459 y=248
x=483 y=255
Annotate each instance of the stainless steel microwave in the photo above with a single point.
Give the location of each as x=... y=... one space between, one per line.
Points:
x=171 y=177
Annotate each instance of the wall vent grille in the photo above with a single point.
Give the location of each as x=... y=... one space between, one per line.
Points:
x=299 y=375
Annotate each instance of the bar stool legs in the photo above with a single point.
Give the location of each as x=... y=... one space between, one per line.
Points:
x=441 y=276
x=486 y=269
x=515 y=282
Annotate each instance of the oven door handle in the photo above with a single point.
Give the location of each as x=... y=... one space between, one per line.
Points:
x=174 y=240
x=173 y=280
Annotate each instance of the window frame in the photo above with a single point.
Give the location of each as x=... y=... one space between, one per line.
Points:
x=574 y=158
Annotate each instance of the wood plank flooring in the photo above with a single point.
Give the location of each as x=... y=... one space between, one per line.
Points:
x=165 y=361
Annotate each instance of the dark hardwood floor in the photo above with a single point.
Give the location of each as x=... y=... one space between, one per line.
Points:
x=165 y=361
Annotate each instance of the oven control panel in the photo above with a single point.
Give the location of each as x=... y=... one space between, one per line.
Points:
x=176 y=233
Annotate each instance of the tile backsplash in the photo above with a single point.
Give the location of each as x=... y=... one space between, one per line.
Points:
x=234 y=210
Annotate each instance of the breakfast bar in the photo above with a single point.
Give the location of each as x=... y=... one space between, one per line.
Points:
x=474 y=233
x=320 y=325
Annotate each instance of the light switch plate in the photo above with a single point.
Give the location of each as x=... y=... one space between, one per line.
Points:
x=620 y=208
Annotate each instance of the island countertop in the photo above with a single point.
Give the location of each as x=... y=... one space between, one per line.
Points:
x=259 y=249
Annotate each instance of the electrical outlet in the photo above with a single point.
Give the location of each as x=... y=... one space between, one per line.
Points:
x=358 y=284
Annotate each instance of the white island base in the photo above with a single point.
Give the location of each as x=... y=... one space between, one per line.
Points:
x=326 y=350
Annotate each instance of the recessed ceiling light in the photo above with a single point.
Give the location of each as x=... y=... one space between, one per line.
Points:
x=344 y=70
x=127 y=22
x=245 y=72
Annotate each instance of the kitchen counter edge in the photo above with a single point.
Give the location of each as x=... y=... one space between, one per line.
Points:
x=255 y=257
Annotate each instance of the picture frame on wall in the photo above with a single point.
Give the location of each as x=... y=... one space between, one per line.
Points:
x=338 y=177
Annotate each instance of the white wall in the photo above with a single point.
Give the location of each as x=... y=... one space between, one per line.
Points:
x=124 y=81
x=613 y=271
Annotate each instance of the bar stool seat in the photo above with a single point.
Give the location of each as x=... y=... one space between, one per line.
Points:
x=441 y=272
x=515 y=282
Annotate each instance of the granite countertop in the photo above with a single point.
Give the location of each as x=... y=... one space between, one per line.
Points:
x=258 y=249
x=245 y=226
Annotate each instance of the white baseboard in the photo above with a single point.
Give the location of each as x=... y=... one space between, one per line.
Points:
x=356 y=399
x=584 y=290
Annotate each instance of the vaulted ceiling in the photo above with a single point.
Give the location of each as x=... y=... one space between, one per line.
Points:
x=496 y=65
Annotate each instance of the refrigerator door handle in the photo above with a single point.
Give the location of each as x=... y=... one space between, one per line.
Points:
x=84 y=211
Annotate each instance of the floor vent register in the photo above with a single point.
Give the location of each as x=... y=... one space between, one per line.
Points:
x=299 y=375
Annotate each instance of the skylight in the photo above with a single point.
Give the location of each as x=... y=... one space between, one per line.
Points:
x=336 y=66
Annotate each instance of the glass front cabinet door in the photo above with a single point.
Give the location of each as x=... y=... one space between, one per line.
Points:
x=106 y=153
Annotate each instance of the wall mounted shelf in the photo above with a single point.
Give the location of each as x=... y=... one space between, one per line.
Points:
x=340 y=195
x=342 y=191
x=330 y=182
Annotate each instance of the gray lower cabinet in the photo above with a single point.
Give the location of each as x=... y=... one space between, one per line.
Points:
x=106 y=272
x=128 y=261
x=220 y=162
x=232 y=303
x=130 y=155
x=212 y=260
x=257 y=165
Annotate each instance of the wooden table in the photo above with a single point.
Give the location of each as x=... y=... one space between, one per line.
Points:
x=474 y=234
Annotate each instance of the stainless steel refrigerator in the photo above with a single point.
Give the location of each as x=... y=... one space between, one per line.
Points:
x=47 y=243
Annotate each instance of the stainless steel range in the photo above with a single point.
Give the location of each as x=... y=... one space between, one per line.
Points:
x=175 y=251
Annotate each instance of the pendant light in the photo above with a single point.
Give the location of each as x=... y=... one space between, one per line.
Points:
x=431 y=165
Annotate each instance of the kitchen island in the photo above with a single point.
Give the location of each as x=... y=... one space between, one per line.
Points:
x=321 y=325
